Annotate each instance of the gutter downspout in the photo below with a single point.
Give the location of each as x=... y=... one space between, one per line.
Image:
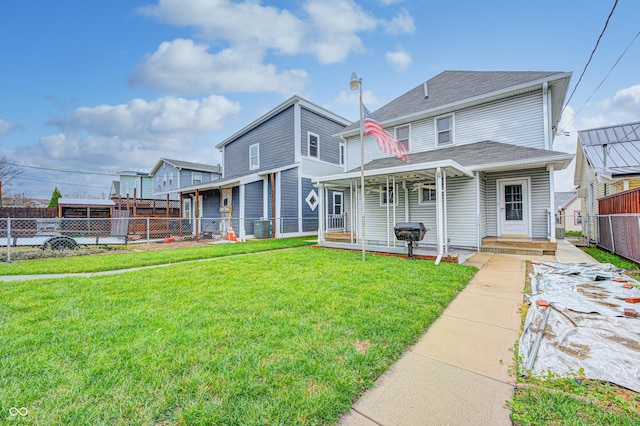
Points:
x=478 y=217
x=545 y=113
x=439 y=214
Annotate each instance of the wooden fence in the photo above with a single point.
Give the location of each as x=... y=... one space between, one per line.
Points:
x=620 y=203
x=28 y=212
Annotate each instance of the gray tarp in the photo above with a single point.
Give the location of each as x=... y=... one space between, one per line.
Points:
x=586 y=327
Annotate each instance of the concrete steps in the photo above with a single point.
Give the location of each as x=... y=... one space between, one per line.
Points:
x=338 y=237
x=518 y=245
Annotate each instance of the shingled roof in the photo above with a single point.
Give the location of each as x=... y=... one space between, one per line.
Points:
x=200 y=167
x=450 y=87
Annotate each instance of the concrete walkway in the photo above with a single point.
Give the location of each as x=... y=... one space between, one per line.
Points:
x=458 y=372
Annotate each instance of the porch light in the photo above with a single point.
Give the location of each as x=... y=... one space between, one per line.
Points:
x=356 y=84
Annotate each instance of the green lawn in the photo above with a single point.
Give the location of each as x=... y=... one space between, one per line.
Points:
x=285 y=337
x=113 y=261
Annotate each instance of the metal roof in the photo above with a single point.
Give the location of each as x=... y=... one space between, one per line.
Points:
x=562 y=199
x=614 y=149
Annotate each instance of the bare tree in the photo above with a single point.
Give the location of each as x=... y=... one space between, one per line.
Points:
x=8 y=171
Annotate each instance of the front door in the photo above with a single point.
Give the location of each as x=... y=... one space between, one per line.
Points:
x=513 y=207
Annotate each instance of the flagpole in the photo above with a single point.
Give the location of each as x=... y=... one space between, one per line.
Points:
x=356 y=83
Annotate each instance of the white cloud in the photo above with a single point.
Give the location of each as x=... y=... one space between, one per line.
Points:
x=7 y=126
x=353 y=98
x=400 y=59
x=248 y=31
x=182 y=66
x=625 y=105
x=402 y=23
x=167 y=118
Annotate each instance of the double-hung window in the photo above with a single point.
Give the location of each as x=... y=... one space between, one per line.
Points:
x=254 y=156
x=342 y=154
x=444 y=130
x=196 y=178
x=313 y=142
x=402 y=135
x=427 y=194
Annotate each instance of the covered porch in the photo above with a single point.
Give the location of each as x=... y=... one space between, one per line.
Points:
x=430 y=193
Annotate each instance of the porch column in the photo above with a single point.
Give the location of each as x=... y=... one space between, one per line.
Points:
x=321 y=210
x=196 y=212
x=439 y=215
x=552 y=204
x=242 y=229
x=445 y=221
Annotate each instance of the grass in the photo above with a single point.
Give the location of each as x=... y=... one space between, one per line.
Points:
x=572 y=234
x=285 y=337
x=114 y=261
x=556 y=400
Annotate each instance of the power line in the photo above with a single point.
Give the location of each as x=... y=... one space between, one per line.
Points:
x=589 y=61
x=601 y=82
x=61 y=170
x=60 y=183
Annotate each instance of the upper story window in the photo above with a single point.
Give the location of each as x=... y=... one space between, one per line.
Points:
x=402 y=135
x=254 y=156
x=313 y=142
x=196 y=178
x=171 y=179
x=164 y=180
x=342 y=154
x=444 y=130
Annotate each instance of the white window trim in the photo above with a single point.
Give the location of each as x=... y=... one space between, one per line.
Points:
x=383 y=190
x=395 y=131
x=193 y=175
x=452 y=129
x=342 y=154
x=423 y=201
x=257 y=165
x=309 y=134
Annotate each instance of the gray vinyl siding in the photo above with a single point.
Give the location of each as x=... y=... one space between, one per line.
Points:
x=517 y=120
x=235 y=205
x=328 y=146
x=426 y=214
x=461 y=215
x=142 y=185
x=211 y=204
x=186 y=177
x=289 y=200
x=539 y=194
x=277 y=148
x=483 y=204
x=253 y=205
x=309 y=217
x=379 y=222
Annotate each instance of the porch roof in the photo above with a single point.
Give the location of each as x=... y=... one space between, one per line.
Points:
x=462 y=160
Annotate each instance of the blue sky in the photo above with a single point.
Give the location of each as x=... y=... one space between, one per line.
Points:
x=98 y=87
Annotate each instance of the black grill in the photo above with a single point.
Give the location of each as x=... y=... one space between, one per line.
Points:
x=410 y=232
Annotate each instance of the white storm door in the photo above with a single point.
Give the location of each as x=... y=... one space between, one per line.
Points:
x=513 y=207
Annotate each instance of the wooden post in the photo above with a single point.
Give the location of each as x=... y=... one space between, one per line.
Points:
x=180 y=213
x=135 y=195
x=168 y=204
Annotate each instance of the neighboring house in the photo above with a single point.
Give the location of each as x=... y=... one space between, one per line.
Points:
x=130 y=182
x=267 y=171
x=569 y=211
x=169 y=175
x=607 y=162
x=482 y=164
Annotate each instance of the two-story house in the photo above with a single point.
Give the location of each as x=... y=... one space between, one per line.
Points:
x=132 y=184
x=481 y=168
x=169 y=175
x=268 y=167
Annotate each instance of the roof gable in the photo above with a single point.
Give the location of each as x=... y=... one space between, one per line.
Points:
x=562 y=199
x=451 y=87
x=179 y=164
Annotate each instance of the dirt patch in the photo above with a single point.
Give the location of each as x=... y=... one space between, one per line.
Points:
x=362 y=346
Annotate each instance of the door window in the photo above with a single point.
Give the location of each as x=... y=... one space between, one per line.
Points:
x=513 y=202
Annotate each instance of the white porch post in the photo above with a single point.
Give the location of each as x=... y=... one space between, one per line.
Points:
x=321 y=210
x=278 y=219
x=241 y=231
x=445 y=220
x=552 y=204
x=439 y=215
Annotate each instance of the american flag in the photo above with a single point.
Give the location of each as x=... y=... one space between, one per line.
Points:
x=386 y=142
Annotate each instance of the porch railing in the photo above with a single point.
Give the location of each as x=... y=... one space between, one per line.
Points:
x=336 y=222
